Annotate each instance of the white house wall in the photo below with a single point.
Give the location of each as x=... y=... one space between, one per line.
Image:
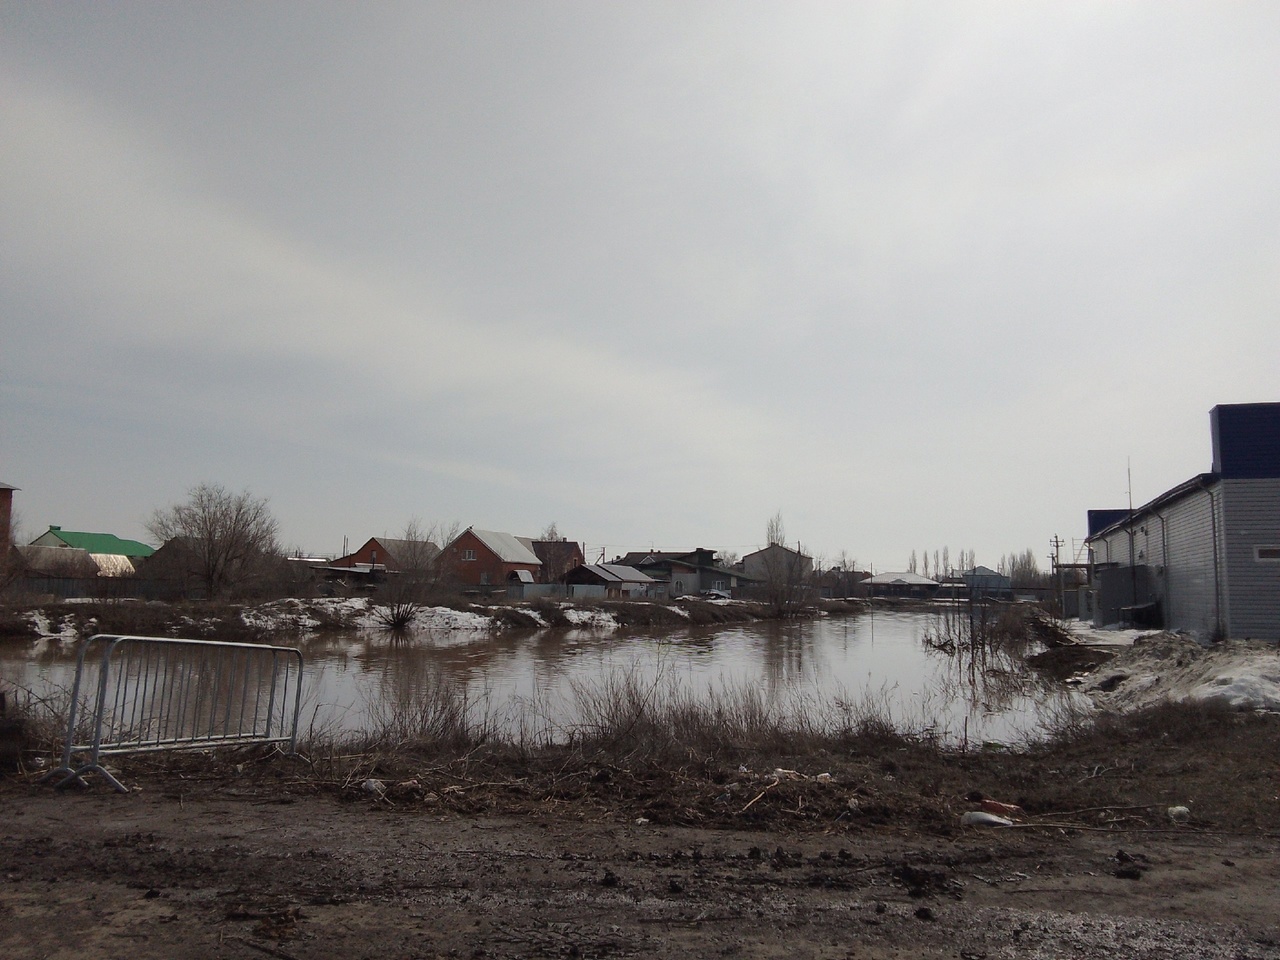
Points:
x=1251 y=511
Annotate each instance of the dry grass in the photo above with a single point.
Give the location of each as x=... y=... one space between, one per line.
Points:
x=645 y=748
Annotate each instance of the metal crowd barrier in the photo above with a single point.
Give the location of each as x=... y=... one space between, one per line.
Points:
x=155 y=693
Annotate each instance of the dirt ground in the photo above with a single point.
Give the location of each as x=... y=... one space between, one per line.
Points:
x=220 y=865
x=1148 y=834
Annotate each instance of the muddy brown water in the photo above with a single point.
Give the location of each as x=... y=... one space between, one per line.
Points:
x=533 y=684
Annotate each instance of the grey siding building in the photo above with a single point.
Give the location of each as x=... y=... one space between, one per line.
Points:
x=1204 y=556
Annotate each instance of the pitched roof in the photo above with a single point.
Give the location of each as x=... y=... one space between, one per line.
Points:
x=553 y=552
x=404 y=551
x=618 y=572
x=910 y=579
x=648 y=556
x=57 y=561
x=507 y=548
x=113 y=565
x=778 y=546
x=694 y=558
x=99 y=542
x=981 y=571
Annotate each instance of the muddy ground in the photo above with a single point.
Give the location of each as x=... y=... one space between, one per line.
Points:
x=249 y=856
x=1148 y=834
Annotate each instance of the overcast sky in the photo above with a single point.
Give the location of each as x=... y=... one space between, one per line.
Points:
x=913 y=274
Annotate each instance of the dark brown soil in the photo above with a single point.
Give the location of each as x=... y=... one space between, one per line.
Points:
x=565 y=855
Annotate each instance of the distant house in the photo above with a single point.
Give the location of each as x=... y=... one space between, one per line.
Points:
x=558 y=557
x=387 y=554
x=485 y=558
x=983 y=583
x=113 y=556
x=69 y=563
x=610 y=580
x=777 y=562
x=173 y=571
x=837 y=583
x=679 y=573
x=66 y=572
x=910 y=585
x=1203 y=556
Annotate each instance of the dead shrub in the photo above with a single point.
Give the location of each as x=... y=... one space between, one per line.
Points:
x=514 y=617
x=552 y=613
x=16 y=623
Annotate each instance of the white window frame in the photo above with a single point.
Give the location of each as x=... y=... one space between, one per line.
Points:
x=468 y=554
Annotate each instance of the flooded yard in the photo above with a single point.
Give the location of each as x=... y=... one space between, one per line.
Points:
x=532 y=684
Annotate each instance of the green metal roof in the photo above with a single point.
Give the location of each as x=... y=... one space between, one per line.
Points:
x=102 y=543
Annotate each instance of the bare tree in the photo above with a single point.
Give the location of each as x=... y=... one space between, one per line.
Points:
x=775 y=532
x=226 y=535
x=846 y=568
x=1023 y=569
x=557 y=554
x=418 y=552
x=420 y=570
x=787 y=573
x=912 y=564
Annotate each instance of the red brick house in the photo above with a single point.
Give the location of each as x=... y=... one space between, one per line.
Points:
x=390 y=554
x=558 y=557
x=483 y=558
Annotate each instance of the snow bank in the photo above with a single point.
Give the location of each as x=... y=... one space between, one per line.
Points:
x=44 y=626
x=1242 y=674
x=590 y=619
x=446 y=618
x=1085 y=632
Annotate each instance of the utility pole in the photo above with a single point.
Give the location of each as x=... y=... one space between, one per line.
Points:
x=1055 y=567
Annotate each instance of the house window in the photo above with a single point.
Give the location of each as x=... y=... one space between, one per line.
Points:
x=719 y=585
x=468 y=554
x=1265 y=554
x=679 y=586
x=484 y=579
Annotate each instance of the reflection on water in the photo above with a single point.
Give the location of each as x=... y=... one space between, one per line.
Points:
x=525 y=682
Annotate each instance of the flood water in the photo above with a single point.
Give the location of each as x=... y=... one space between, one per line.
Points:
x=530 y=682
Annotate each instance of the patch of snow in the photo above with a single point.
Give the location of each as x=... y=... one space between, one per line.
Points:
x=1242 y=674
x=1113 y=635
x=44 y=626
x=1258 y=692
x=593 y=619
x=681 y=611
x=279 y=615
x=446 y=618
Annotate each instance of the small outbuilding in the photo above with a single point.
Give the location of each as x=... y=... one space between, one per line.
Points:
x=611 y=580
